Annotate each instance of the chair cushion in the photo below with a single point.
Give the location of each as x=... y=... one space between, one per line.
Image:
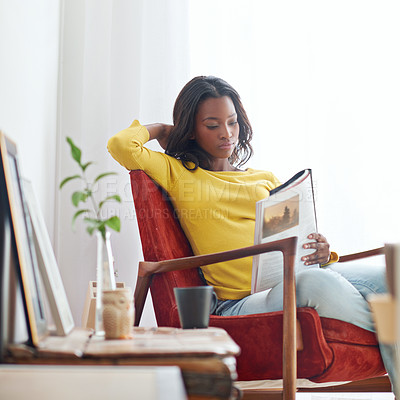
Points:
x=336 y=331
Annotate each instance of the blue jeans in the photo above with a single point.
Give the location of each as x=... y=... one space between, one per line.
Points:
x=337 y=291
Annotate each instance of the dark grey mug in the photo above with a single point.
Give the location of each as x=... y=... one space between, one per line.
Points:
x=194 y=304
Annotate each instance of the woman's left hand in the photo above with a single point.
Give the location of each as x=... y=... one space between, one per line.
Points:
x=322 y=253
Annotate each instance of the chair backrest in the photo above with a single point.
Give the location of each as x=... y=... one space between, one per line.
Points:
x=162 y=239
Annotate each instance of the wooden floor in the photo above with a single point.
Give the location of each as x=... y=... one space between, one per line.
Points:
x=369 y=389
x=345 y=396
x=321 y=396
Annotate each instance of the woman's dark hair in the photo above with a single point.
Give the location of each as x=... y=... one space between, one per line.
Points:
x=181 y=144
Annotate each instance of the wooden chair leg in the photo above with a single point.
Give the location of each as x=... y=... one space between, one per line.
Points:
x=289 y=329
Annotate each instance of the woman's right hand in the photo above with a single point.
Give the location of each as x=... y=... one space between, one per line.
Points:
x=160 y=132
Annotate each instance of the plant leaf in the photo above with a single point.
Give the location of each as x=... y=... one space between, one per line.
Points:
x=97 y=224
x=102 y=230
x=114 y=223
x=77 y=214
x=115 y=197
x=93 y=221
x=69 y=178
x=75 y=151
x=90 y=229
x=77 y=197
x=84 y=166
x=94 y=224
x=104 y=175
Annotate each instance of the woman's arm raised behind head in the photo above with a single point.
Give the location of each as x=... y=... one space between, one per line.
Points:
x=127 y=147
x=159 y=132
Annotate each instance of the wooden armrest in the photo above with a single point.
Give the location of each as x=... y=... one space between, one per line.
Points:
x=148 y=268
x=389 y=252
x=152 y=267
x=362 y=254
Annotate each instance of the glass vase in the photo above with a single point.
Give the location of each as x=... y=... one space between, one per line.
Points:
x=104 y=275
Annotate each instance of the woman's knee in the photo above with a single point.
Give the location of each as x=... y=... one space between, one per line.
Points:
x=313 y=285
x=332 y=296
x=321 y=288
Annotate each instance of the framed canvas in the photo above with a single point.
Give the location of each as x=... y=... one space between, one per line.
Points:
x=24 y=242
x=48 y=266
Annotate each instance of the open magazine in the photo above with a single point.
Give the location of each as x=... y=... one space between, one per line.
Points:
x=289 y=210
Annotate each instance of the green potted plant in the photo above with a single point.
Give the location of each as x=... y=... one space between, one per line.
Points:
x=92 y=215
x=90 y=207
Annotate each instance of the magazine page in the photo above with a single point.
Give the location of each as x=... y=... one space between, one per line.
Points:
x=287 y=212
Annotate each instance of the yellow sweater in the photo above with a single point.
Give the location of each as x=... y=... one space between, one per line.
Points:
x=216 y=208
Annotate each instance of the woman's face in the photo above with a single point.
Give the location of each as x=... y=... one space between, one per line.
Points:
x=217 y=130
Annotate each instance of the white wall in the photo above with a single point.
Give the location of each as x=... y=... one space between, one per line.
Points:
x=29 y=44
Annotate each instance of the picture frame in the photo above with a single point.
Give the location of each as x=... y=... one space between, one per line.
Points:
x=48 y=266
x=25 y=256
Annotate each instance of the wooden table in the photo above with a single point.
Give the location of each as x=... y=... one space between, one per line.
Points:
x=206 y=357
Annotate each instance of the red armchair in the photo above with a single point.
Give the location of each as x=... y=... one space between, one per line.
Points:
x=331 y=350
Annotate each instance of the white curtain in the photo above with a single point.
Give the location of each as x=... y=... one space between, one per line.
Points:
x=28 y=90
x=320 y=81
x=120 y=60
